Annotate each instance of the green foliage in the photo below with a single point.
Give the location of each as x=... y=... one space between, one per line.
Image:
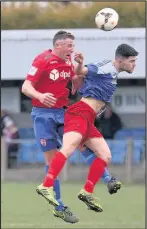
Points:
x=56 y=15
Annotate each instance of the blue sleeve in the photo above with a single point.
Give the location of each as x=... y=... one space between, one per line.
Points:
x=92 y=69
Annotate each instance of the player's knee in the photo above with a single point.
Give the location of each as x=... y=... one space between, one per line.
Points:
x=67 y=150
x=106 y=157
x=70 y=142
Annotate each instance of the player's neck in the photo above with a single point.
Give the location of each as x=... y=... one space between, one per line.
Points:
x=115 y=64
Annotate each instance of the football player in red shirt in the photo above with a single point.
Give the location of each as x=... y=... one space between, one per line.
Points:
x=46 y=84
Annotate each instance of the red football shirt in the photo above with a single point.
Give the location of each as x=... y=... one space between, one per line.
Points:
x=51 y=74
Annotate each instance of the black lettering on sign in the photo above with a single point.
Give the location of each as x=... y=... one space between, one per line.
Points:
x=129 y=100
x=134 y=100
x=141 y=99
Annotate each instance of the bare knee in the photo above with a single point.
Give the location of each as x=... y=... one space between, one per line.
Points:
x=71 y=141
x=106 y=157
x=100 y=148
x=67 y=149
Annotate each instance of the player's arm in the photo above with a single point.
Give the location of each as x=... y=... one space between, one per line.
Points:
x=80 y=69
x=77 y=80
x=78 y=77
x=28 y=87
x=77 y=83
x=33 y=76
x=29 y=90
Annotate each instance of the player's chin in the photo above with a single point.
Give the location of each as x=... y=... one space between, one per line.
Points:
x=130 y=71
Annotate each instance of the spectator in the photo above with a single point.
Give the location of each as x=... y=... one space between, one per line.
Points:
x=108 y=123
x=10 y=131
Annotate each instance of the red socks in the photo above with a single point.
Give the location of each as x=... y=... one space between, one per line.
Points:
x=55 y=167
x=95 y=172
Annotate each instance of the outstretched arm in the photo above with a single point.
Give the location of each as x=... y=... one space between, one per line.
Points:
x=80 y=69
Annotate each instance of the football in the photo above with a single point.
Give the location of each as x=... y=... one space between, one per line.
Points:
x=107 y=19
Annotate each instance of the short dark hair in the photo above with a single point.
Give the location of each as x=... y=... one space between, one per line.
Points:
x=62 y=35
x=125 y=51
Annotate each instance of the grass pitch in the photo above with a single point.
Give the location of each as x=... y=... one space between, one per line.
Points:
x=23 y=208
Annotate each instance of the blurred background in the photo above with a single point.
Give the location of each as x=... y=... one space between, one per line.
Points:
x=27 y=30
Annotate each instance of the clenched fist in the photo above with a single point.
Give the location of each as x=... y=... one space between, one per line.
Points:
x=79 y=58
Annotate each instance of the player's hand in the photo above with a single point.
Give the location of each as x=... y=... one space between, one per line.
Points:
x=79 y=58
x=47 y=99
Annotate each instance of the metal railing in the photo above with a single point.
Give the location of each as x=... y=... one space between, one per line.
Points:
x=128 y=170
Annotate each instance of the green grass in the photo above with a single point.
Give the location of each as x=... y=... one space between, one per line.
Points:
x=23 y=208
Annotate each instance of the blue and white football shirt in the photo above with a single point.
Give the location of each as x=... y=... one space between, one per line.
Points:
x=100 y=82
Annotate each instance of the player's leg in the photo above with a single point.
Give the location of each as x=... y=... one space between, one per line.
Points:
x=99 y=146
x=112 y=183
x=46 y=138
x=66 y=213
x=61 y=211
x=70 y=141
x=90 y=156
x=74 y=130
x=47 y=142
x=48 y=157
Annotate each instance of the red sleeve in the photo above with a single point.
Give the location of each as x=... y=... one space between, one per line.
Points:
x=35 y=71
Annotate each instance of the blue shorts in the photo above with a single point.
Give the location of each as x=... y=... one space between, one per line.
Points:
x=48 y=127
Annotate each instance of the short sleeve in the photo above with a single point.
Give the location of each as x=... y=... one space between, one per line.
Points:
x=92 y=68
x=35 y=71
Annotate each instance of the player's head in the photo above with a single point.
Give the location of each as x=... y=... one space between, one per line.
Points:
x=125 y=57
x=63 y=43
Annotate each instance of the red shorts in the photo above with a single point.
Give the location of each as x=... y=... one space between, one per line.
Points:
x=80 y=118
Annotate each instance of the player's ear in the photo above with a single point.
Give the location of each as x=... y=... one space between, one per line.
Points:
x=120 y=60
x=57 y=45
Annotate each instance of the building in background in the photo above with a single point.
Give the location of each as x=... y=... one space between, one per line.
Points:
x=23 y=45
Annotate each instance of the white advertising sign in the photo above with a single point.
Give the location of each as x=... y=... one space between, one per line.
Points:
x=129 y=100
